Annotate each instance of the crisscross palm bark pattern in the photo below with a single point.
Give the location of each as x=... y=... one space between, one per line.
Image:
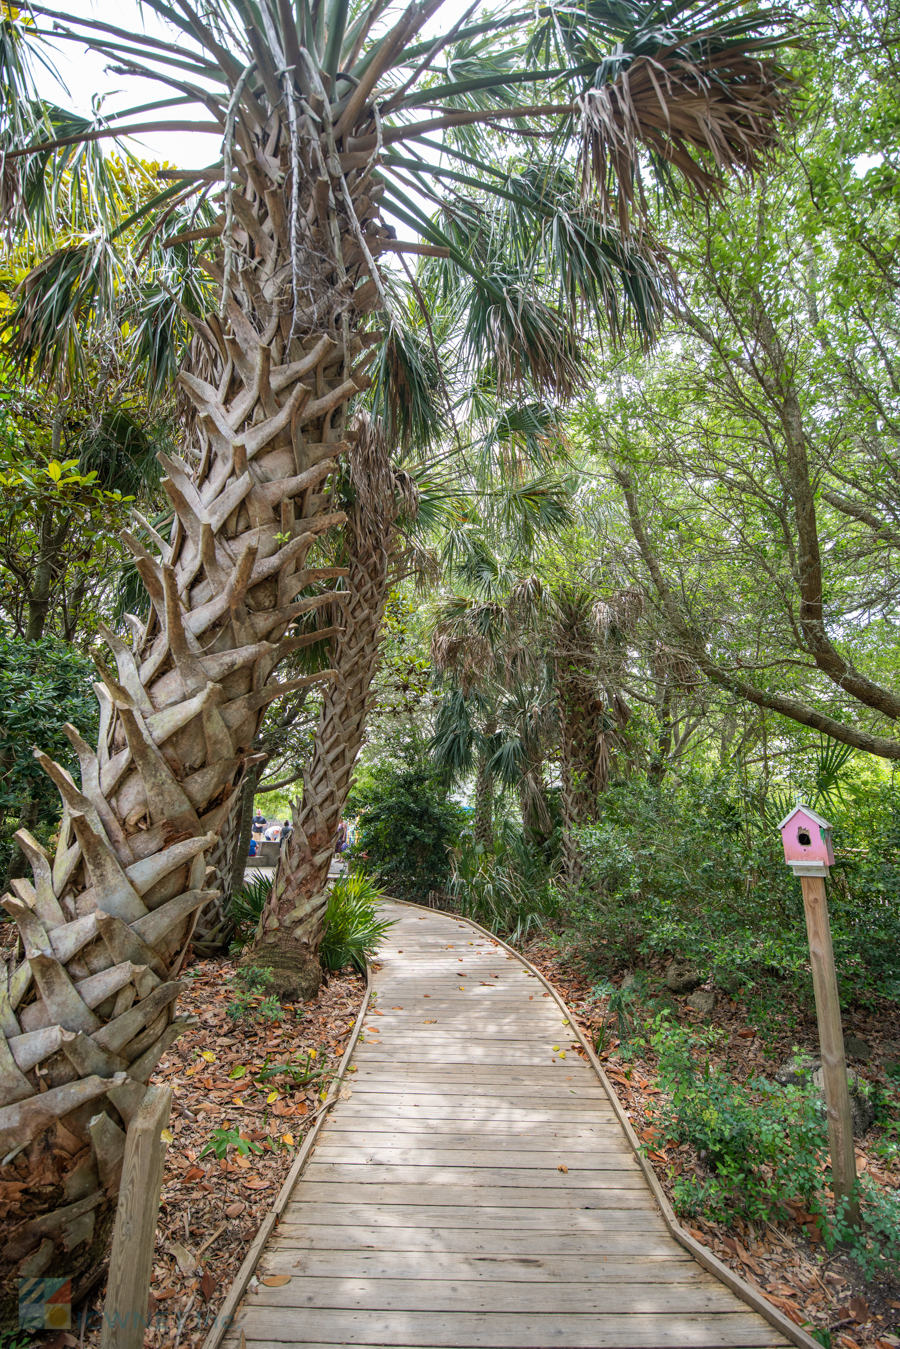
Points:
x=298 y=899
x=89 y=1004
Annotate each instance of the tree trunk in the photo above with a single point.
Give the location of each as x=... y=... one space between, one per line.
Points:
x=291 y=926
x=106 y=926
x=484 y=796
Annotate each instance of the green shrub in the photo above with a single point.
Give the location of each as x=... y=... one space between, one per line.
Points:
x=407 y=828
x=763 y=1144
x=875 y=1245
x=507 y=888
x=246 y=909
x=352 y=926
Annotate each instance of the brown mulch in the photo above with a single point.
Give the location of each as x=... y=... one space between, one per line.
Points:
x=211 y=1209
x=786 y=1262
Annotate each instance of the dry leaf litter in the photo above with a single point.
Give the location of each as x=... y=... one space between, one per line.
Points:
x=211 y=1209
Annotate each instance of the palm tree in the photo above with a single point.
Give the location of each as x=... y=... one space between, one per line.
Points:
x=330 y=117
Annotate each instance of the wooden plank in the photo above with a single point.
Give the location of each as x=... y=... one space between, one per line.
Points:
x=550 y=1240
x=382 y=1133
x=134 y=1234
x=503 y=1330
x=624 y=1299
x=305 y=1211
x=587 y=1160
x=412 y=1264
x=576 y=1181
x=451 y=1193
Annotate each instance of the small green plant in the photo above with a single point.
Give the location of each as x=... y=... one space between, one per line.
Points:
x=249 y=1002
x=220 y=1140
x=875 y=1244
x=763 y=1144
x=352 y=926
x=302 y=1073
x=246 y=909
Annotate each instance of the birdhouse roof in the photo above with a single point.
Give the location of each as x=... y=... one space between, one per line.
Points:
x=808 y=811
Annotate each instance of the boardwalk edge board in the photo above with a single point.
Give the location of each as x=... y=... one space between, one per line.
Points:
x=700 y=1253
x=225 y=1316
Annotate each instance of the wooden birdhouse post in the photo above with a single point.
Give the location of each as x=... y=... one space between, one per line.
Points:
x=809 y=854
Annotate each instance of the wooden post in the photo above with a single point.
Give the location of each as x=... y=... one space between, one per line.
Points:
x=128 y=1289
x=831 y=1043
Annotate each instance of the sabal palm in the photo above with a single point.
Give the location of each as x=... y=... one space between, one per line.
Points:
x=328 y=119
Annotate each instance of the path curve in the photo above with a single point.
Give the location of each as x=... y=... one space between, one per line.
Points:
x=475 y=1187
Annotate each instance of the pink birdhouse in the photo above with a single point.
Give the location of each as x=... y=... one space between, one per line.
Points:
x=807 y=842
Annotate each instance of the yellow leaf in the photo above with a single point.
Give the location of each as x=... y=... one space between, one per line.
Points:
x=272 y=1096
x=237 y=1100
x=462 y=988
x=565 y=1021
x=276 y=1280
x=312 y=1053
x=208 y=1055
x=167 y=1136
x=189 y=1072
x=288 y=1139
x=556 y=1049
x=562 y=1053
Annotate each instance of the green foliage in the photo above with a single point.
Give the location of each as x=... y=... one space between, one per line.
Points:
x=353 y=929
x=249 y=1002
x=407 y=827
x=694 y=869
x=43 y=685
x=763 y=1144
x=246 y=909
x=506 y=888
x=220 y=1140
x=875 y=1244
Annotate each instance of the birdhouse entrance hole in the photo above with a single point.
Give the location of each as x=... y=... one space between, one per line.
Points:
x=803 y=838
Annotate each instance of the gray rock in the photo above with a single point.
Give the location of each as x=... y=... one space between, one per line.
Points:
x=729 y=982
x=702 y=1001
x=682 y=977
x=855 y=1048
x=862 y=1111
x=798 y=1070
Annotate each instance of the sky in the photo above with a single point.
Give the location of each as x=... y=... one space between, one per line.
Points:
x=84 y=75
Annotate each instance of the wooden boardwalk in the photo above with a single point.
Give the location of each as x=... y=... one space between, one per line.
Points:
x=477 y=1187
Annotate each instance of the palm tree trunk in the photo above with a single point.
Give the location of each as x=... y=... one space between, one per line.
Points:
x=291 y=925
x=484 y=796
x=88 y=1012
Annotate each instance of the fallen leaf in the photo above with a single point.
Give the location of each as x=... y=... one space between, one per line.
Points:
x=235 y=1210
x=562 y=1168
x=255 y=1183
x=345 y=1094
x=195 y=1173
x=272 y=1098
x=207 y=1285
x=565 y=1022
x=859 y=1309
x=236 y=1100
x=238 y=1071
x=183 y=1257
x=208 y=1056
x=747 y=1033
x=288 y=1139
x=276 y=1280
x=167 y=1136
x=165 y=1293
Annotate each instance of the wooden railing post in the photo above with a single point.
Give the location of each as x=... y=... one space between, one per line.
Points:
x=831 y=1044
x=128 y=1289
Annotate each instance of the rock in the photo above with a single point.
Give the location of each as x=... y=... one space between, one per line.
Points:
x=862 y=1111
x=628 y=983
x=682 y=977
x=855 y=1048
x=797 y=1071
x=702 y=1001
x=729 y=982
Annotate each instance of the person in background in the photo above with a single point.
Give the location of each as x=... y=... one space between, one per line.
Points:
x=273 y=833
x=259 y=822
x=341 y=836
x=286 y=830
x=254 y=847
